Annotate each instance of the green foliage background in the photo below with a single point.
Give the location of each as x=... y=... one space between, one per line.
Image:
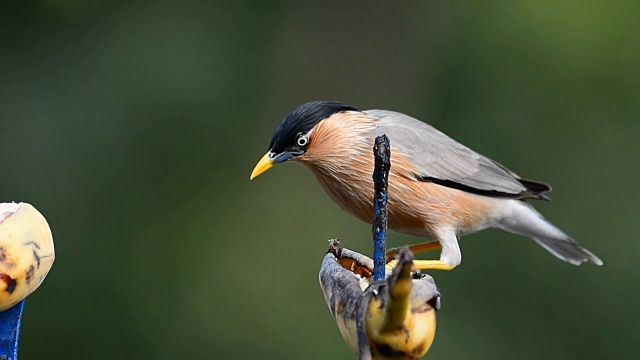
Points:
x=134 y=125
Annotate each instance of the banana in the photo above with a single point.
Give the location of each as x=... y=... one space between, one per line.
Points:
x=26 y=252
x=390 y=319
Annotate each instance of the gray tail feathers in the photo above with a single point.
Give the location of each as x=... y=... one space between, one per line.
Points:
x=568 y=250
x=525 y=220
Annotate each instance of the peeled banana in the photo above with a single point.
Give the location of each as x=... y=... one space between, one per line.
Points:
x=392 y=318
x=26 y=252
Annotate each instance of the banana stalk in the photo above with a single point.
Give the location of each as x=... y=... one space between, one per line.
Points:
x=393 y=318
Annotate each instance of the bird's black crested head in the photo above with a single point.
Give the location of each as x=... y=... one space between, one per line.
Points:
x=301 y=120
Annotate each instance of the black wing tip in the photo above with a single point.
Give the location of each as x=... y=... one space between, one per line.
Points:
x=535 y=189
x=529 y=193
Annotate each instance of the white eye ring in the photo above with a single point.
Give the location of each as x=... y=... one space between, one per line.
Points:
x=302 y=140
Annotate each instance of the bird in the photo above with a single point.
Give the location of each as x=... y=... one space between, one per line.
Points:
x=438 y=188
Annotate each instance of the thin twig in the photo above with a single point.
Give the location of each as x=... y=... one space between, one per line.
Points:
x=382 y=154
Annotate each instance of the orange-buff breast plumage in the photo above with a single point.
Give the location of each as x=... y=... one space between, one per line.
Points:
x=341 y=158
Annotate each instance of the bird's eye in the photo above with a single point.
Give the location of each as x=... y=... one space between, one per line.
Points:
x=302 y=140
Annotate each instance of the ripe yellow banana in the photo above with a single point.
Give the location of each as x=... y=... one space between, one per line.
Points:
x=390 y=319
x=26 y=252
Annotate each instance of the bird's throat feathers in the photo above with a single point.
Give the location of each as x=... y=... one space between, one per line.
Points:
x=340 y=156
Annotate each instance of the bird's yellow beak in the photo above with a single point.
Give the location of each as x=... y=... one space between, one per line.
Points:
x=263 y=165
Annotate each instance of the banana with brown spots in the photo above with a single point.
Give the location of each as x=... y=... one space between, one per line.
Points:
x=26 y=252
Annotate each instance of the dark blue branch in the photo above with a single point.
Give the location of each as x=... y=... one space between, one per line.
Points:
x=382 y=154
x=10 y=330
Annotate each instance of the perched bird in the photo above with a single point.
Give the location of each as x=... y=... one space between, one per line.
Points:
x=438 y=188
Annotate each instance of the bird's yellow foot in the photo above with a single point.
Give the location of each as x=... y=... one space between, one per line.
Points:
x=416 y=249
x=420 y=265
x=430 y=265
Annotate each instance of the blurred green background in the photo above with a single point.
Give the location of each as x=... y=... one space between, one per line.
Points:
x=133 y=127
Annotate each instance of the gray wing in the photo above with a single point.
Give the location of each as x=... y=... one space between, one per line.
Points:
x=442 y=160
